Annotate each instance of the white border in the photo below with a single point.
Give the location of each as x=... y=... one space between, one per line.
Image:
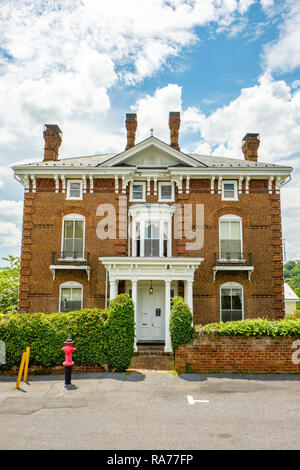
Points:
x=70 y=285
x=72 y=217
x=231 y=218
x=165 y=183
x=68 y=197
x=143 y=183
x=232 y=285
x=234 y=182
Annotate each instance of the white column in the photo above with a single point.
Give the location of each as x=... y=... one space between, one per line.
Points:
x=113 y=283
x=91 y=178
x=189 y=294
x=134 y=299
x=63 y=180
x=168 y=347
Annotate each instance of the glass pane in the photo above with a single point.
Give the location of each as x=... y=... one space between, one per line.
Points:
x=228 y=194
x=78 y=248
x=236 y=315
x=237 y=299
x=137 y=191
x=138 y=230
x=68 y=228
x=226 y=299
x=224 y=230
x=78 y=229
x=76 y=294
x=166 y=191
x=166 y=235
x=66 y=294
x=151 y=247
x=235 y=231
x=147 y=233
x=155 y=230
x=67 y=247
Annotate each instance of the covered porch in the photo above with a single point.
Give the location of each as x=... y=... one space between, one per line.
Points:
x=152 y=282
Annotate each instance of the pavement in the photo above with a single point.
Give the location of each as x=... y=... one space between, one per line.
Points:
x=151 y=410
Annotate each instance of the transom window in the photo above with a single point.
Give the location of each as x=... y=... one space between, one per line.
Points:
x=229 y=191
x=70 y=296
x=73 y=237
x=230 y=238
x=138 y=191
x=166 y=191
x=231 y=302
x=74 y=189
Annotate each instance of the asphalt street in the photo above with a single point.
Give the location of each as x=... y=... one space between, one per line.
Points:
x=151 y=411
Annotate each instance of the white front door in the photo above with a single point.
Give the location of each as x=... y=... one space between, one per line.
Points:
x=151 y=314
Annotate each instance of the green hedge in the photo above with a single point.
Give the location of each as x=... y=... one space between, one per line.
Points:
x=181 y=319
x=253 y=327
x=100 y=336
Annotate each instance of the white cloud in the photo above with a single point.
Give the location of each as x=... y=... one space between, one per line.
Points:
x=268 y=108
x=283 y=54
x=290 y=198
x=153 y=112
x=10 y=223
x=62 y=58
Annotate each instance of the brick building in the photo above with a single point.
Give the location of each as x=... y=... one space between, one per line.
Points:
x=154 y=222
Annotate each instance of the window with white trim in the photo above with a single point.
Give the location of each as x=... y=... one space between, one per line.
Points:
x=74 y=189
x=229 y=190
x=70 y=296
x=138 y=191
x=165 y=191
x=151 y=230
x=230 y=235
x=232 y=309
x=73 y=232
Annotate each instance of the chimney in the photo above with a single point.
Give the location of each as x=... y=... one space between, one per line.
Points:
x=131 y=126
x=250 y=147
x=53 y=139
x=174 y=124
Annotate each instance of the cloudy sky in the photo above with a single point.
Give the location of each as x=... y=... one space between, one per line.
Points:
x=229 y=66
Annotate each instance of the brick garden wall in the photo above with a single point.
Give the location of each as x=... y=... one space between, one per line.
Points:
x=214 y=353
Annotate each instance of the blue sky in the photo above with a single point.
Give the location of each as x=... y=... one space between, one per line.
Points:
x=229 y=66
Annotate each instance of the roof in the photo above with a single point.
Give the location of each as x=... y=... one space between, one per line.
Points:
x=289 y=294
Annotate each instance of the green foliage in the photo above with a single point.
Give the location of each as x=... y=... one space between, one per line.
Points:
x=181 y=329
x=254 y=327
x=291 y=271
x=100 y=336
x=9 y=285
x=293 y=316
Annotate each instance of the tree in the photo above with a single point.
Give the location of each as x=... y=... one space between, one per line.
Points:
x=9 y=285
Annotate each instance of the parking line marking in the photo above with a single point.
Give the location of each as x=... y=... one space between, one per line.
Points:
x=191 y=400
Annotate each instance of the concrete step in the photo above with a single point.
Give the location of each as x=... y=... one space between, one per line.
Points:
x=152 y=362
x=150 y=349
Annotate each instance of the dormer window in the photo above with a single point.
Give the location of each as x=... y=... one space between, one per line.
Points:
x=138 y=192
x=74 y=189
x=151 y=230
x=166 y=192
x=229 y=191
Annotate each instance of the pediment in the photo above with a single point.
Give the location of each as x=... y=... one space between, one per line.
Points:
x=152 y=153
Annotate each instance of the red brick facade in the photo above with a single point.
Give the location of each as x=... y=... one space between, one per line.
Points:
x=261 y=223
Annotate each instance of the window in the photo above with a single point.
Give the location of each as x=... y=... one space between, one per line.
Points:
x=230 y=238
x=229 y=191
x=74 y=189
x=231 y=302
x=70 y=297
x=166 y=191
x=151 y=230
x=73 y=237
x=138 y=191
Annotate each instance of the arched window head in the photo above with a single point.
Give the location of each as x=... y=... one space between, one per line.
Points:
x=70 y=296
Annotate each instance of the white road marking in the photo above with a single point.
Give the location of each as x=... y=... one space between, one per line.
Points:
x=191 y=400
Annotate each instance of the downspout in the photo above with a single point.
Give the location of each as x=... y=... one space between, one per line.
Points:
x=106 y=287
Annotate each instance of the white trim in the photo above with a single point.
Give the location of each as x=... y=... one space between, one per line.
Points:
x=70 y=285
x=235 y=188
x=142 y=183
x=80 y=181
x=250 y=270
x=231 y=285
x=165 y=183
x=73 y=217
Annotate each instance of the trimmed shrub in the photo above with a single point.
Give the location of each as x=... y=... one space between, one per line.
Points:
x=100 y=336
x=253 y=327
x=181 y=329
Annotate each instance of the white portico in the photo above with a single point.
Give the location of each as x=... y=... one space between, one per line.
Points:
x=151 y=280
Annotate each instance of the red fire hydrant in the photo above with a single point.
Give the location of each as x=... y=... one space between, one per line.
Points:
x=68 y=363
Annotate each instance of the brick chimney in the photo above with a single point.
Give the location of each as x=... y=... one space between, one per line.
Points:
x=131 y=126
x=250 y=147
x=53 y=139
x=174 y=124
